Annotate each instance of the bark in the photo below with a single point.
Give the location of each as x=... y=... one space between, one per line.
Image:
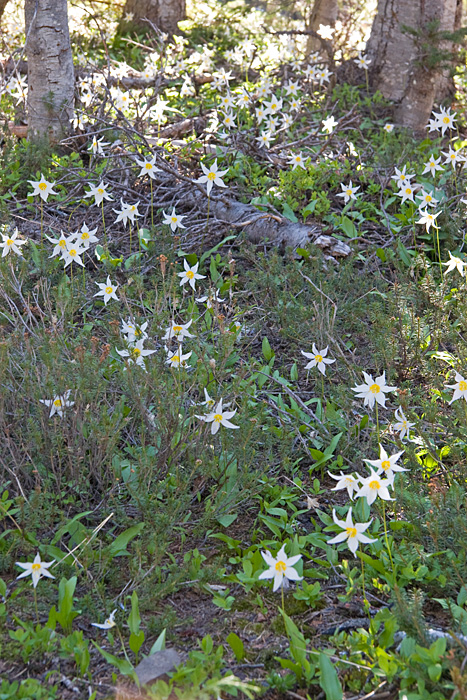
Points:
x=2 y=7
x=50 y=68
x=163 y=14
x=323 y=12
x=398 y=67
x=262 y=226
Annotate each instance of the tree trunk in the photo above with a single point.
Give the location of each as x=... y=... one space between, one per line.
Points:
x=164 y=14
x=50 y=69
x=400 y=66
x=2 y=7
x=323 y=12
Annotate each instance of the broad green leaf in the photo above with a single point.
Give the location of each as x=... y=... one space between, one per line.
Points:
x=329 y=680
x=118 y=547
x=236 y=644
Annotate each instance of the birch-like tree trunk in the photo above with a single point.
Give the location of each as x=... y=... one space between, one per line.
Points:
x=399 y=62
x=323 y=12
x=50 y=69
x=164 y=14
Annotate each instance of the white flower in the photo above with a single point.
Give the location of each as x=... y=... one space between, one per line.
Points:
x=281 y=566
x=373 y=390
x=107 y=290
x=42 y=188
x=373 y=486
x=346 y=481
x=401 y=177
x=58 y=403
x=99 y=193
x=406 y=192
x=444 y=119
x=148 y=167
x=60 y=244
x=72 y=253
x=37 y=569
x=362 y=61
x=432 y=165
x=353 y=532
x=208 y=401
x=11 y=243
x=97 y=146
x=177 y=359
x=329 y=124
x=264 y=139
x=212 y=176
x=460 y=388
x=453 y=157
x=179 y=331
x=427 y=199
x=317 y=359
x=403 y=426
x=136 y=353
x=273 y=106
x=128 y=212
x=85 y=237
x=108 y=624
x=325 y=31
x=211 y=299
x=173 y=220
x=190 y=274
x=133 y=331
x=348 y=192
x=388 y=128
x=219 y=417
x=296 y=161
x=454 y=263
x=428 y=219
x=386 y=464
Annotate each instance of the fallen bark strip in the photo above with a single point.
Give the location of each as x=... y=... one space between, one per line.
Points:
x=261 y=226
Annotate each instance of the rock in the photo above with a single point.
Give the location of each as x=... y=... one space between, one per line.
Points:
x=156 y=665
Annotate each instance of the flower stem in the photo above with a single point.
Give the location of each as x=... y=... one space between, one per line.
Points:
x=42 y=222
x=387 y=539
x=103 y=223
x=35 y=604
x=152 y=208
x=377 y=421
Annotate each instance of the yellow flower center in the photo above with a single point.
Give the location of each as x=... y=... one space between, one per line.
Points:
x=36 y=567
x=100 y=190
x=297 y=159
x=463 y=386
x=374 y=485
x=349 y=192
x=211 y=176
x=10 y=241
x=375 y=388
x=351 y=531
x=84 y=236
x=446 y=120
x=108 y=290
x=318 y=358
x=408 y=190
x=432 y=165
x=62 y=243
x=57 y=403
x=428 y=198
x=273 y=106
x=218 y=418
x=280 y=566
x=349 y=480
x=136 y=352
x=386 y=465
x=42 y=186
x=148 y=166
x=175 y=359
x=174 y=219
x=190 y=274
x=177 y=329
x=72 y=253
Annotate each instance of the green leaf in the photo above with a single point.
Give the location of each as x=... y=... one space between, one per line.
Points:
x=348 y=227
x=226 y=520
x=309 y=209
x=288 y=213
x=118 y=547
x=303 y=252
x=267 y=350
x=329 y=680
x=216 y=247
x=297 y=640
x=236 y=644
x=404 y=253
x=35 y=253
x=462 y=596
x=159 y=644
x=123 y=665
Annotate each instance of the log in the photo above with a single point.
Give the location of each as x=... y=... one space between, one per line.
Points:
x=260 y=226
